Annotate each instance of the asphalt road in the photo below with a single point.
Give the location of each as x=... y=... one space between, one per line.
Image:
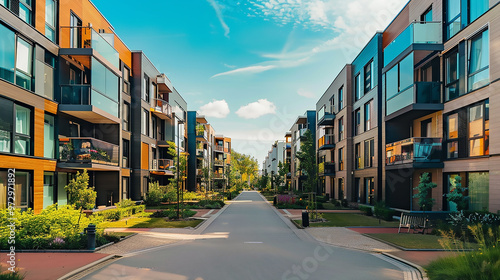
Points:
x=249 y=241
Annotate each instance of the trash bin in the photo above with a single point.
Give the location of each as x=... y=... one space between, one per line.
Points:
x=305 y=219
x=90 y=231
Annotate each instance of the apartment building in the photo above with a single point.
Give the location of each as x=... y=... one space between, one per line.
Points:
x=209 y=155
x=366 y=134
x=287 y=157
x=334 y=110
x=274 y=157
x=157 y=117
x=299 y=128
x=74 y=97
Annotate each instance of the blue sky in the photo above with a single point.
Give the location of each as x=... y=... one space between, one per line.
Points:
x=251 y=66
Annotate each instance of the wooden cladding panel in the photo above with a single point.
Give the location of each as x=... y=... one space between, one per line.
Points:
x=125 y=172
x=396 y=27
x=494 y=119
x=39 y=132
x=50 y=107
x=40 y=16
x=436 y=125
x=38 y=190
x=144 y=156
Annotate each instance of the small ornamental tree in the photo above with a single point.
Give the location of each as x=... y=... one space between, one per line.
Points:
x=80 y=194
x=424 y=190
x=456 y=195
x=307 y=158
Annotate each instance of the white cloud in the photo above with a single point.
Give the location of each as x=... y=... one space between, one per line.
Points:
x=216 y=109
x=220 y=17
x=256 y=109
x=306 y=93
x=247 y=70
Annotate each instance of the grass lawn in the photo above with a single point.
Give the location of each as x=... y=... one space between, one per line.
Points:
x=269 y=197
x=351 y=220
x=415 y=241
x=146 y=222
x=120 y=234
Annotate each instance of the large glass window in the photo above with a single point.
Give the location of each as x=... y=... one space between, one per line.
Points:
x=8 y=53
x=25 y=11
x=341 y=159
x=145 y=122
x=50 y=20
x=22 y=138
x=406 y=72
x=368 y=76
x=341 y=98
x=478 y=128
x=49 y=137
x=48 y=189
x=368 y=115
x=145 y=89
x=6 y=124
x=126 y=79
x=452 y=136
x=478 y=188
x=392 y=82
x=357 y=122
x=453 y=12
x=126 y=116
x=369 y=152
x=24 y=62
x=479 y=61
x=427 y=15
x=357 y=87
x=4 y=3
x=21 y=189
x=341 y=129
x=477 y=8
x=452 y=75
x=126 y=153
x=62 y=195
x=358 y=164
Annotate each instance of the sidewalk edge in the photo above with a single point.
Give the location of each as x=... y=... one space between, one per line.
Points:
x=423 y=274
x=85 y=267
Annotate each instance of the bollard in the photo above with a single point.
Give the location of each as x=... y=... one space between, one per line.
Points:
x=90 y=230
x=275 y=200
x=305 y=219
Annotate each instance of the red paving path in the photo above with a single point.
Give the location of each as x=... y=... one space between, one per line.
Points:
x=50 y=266
x=373 y=230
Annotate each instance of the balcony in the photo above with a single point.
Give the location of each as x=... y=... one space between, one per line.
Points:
x=418 y=100
x=418 y=36
x=414 y=153
x=200 y=153
x=199 y=172
x=326 y=169
x=164 y=84
x=326 y=118
x=88 y=153
x=161 y=109
x=85 y=103
x=218 y=176
x=302 y=133
x=326 y=142
x=219 y=148
x=162 y=167
x=201 y=132
x=219 y=162
x=81 y=43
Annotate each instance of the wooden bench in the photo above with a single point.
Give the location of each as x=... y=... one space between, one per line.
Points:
x=417 y=223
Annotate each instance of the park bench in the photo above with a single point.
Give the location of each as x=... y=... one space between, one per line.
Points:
x=417 y=223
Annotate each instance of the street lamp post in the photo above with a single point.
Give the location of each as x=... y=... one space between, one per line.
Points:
x=179 y=122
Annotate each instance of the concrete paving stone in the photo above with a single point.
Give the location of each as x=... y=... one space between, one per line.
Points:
x=135 y=243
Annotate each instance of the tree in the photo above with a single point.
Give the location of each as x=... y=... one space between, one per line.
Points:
x=182 y=159
x=263 y=181
x=246 y=165
x=307 y=158
x=424 y=190
x=280 y=177
x=456 y=194
x=80 y=194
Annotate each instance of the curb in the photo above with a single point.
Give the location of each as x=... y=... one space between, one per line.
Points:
x=85 y=267
x=423 y=274
x=414 y=250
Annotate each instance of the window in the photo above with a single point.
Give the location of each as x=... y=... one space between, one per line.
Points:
x=154 y=124
x=341 y=129
x=49 y=137
x=468 y=129
x=145 y=89
x=368 y=116
x=357 y=122
x=125 y=188
x=452 y=134
x=153 y=91
x=357 y=87
x=76 y=34
x=48 y=189
x=25 y=11
x=357 y=155
x=427 y=15
x=126 y=117
x=126 y=79
x=478 y=189
x=341 y=159
x=23 y=64
x=400 y=77
x=145 y=123
x=453 y=12
x=452 y=75
x=22 y=136
x=321 y=113
x=4 y=3
x=369 y=152
x=478 y=61
x=477 y=8
x=50 y=20
x=8 y=53
x=368 y=76
x=21 y=189
x=332 y=105
x=341 y=98
x=126 y=153
x=341 y=189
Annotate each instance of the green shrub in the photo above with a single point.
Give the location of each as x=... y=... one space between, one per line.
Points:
x=125 y=203
x=366 y=209
x=172 y=213
x=12 y=276
x=381 y=211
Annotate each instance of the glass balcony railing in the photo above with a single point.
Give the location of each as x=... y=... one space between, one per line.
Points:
x=87 y=37
x=415 y=33
x=219 y=162
x=326 y=168
x=163 y=107
x=326 y=140
x=418 y=93
x=88 y=150
x=201 y=132
x=162 y=164
x=85 y=95
x=219 y=148
x=414 y=150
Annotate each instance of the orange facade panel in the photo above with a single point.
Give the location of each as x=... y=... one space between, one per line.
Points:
x=144 y=156
x=39 y=116
x=50 y=107
x=40 y=16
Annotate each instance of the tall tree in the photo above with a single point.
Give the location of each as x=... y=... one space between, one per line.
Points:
x=307 y=158
x=181 y=158
x=424 y=188
x=246 y=165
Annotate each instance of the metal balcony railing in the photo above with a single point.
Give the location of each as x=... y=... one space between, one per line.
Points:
x=414 y=150
x=88 y=150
